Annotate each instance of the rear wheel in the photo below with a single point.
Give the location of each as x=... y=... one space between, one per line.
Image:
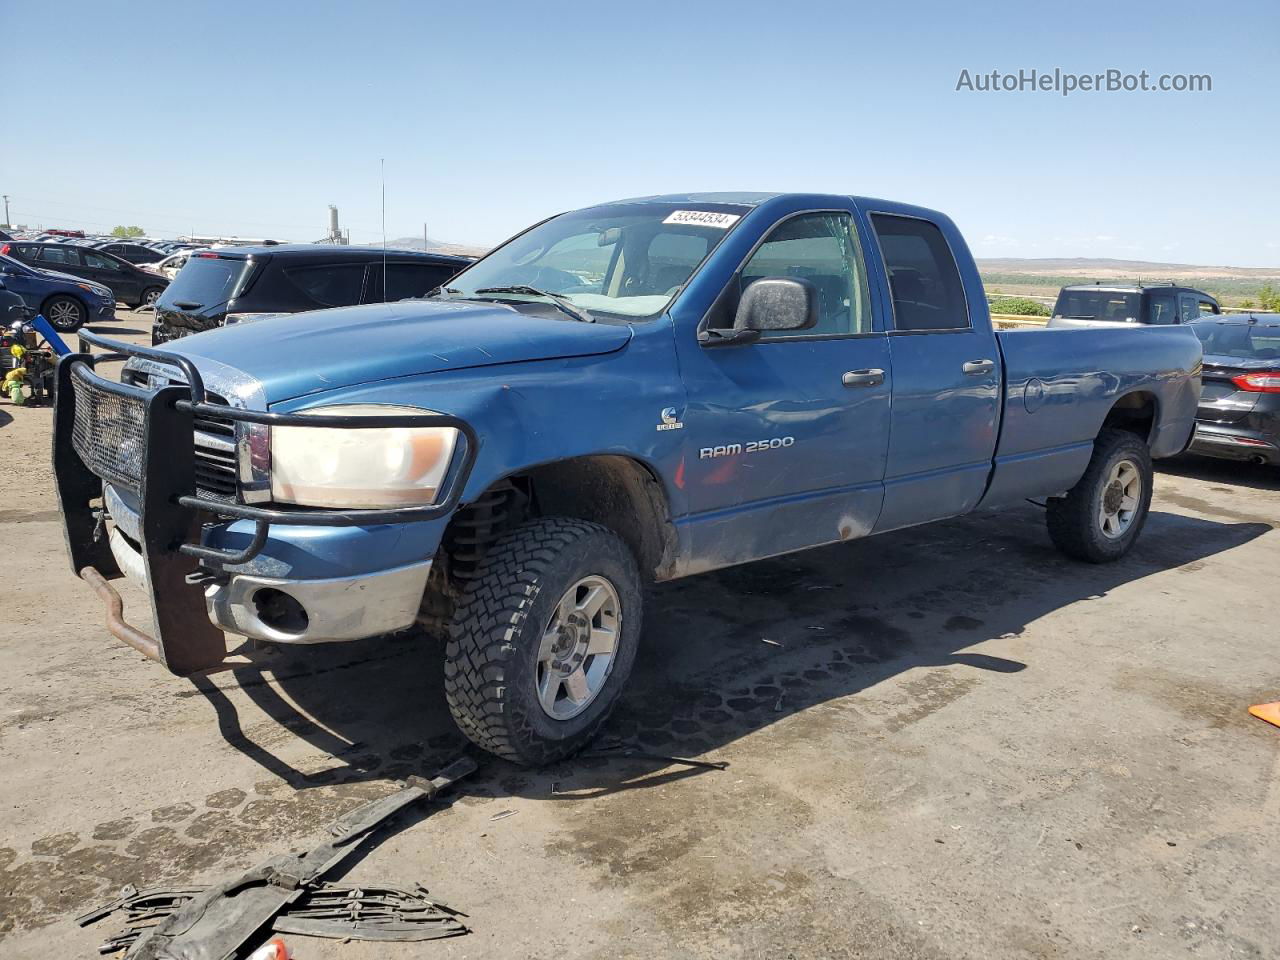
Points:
x=543 y=640
x=1101 y=516
x=66 y=314
x=150 y=296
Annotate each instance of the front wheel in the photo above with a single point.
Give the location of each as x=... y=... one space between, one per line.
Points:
x=1101 y=516
x=67 y=314
x=543 y=640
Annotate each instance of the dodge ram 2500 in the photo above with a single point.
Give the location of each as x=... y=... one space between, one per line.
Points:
x=641 y=390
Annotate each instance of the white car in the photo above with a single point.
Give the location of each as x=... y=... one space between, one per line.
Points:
x=170 y=265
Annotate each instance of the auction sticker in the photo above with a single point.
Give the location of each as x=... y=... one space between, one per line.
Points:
x=704 y=218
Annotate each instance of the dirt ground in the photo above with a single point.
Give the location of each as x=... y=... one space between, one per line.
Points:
x=957 y=743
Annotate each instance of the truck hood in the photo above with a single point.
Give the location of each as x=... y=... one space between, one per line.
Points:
x=294 y=355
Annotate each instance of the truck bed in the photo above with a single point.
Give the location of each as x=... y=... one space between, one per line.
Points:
x=1060 y=385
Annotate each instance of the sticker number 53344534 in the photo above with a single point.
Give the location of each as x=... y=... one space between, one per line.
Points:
x=704 y=218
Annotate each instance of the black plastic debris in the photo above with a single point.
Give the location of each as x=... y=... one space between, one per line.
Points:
x=329 y=910
x=285 y=894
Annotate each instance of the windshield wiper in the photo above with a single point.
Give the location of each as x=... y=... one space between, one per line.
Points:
x=439 y=290
x=561 y=301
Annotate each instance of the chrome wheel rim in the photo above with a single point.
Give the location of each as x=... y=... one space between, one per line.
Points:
x=1121 y=497
x=64 y=313
x=577 y=649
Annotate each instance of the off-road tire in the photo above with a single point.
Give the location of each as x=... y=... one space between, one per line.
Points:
x=1073 y=520
x=491 y=657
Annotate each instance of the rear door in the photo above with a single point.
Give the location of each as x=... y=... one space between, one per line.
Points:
x=946 y=379
x=113 y=273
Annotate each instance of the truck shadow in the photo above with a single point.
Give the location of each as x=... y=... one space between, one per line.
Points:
x=723 y=655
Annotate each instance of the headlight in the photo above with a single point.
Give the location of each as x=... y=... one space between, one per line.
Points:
x=101 y=292
x=356 y=467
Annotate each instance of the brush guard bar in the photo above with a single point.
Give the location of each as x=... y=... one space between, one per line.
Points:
x=145 y=441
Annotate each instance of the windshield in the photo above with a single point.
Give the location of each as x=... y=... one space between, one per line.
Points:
x=627 y=259
x=207 y=280
x=1243 y=340
x=1099 y=305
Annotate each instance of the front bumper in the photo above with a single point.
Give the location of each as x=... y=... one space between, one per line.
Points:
x=342 y=608
x=348 y=607
x=207 y=564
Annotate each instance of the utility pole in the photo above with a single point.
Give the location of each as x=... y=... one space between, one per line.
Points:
x=424 y=236
x=7 y=222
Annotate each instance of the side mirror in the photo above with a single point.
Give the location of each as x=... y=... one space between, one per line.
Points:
x=777 y=303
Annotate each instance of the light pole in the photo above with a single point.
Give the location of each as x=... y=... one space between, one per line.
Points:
x=6 y=210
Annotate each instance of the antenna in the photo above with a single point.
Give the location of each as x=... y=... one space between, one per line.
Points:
x=383 y=162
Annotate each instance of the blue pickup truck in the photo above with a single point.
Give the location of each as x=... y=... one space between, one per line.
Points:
x=631 y=392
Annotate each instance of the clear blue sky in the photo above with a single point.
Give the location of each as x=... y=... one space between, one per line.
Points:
x=249 y=118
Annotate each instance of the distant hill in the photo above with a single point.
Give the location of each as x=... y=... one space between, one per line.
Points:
x=434 y=246
x=1016 y=276
x=1105 y=267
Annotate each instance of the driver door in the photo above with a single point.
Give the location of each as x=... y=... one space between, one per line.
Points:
x=786 y=437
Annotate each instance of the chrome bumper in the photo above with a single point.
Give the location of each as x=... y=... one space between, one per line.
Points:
x=342 y=608
x=337 y=608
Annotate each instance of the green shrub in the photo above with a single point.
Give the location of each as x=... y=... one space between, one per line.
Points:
x=1019 y=306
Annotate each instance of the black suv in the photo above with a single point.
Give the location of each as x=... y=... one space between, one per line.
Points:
x=1154 y=304
x=131 y=285
x=133 y=252
x=239 y=284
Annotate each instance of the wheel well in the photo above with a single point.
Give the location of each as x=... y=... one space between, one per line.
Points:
x=67 y=296
x=614 y=491
x=1135 y=412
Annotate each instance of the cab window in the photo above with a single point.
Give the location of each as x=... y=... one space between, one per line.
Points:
x=923 y=277
x=822 y=249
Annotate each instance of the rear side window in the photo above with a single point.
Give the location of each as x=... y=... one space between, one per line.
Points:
x=405 y=280
x=1163 y=309
x=923 y=277
x=334 y=285
x=64 y=255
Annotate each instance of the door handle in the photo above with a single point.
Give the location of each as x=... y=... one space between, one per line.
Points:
x=872 y=377
x=978 y=368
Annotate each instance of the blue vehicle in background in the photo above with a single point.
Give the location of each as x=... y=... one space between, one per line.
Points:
x=632 y=392
x=67 y=302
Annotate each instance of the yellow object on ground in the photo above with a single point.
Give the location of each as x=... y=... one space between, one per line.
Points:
x=1269 y=712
